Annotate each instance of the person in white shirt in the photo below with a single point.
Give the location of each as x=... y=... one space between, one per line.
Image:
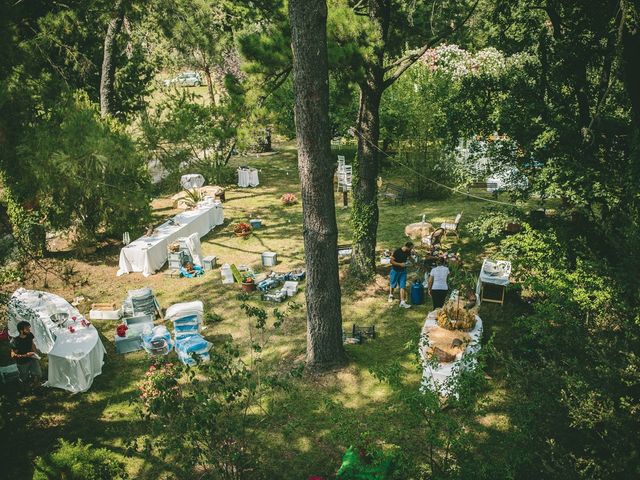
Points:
x=437 y=283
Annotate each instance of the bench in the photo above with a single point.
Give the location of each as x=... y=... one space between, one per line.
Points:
x=394 y=192
x=345 y=250
x=484 y=186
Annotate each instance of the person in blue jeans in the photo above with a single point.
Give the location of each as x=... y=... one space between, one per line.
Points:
x=398 y=275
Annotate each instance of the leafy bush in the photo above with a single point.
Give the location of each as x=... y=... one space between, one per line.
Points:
x=427 y=167
x=79 y=461
x=87 y=172
x=571 y=368
x=182 y=132
x=493 y=223
x=200 y=414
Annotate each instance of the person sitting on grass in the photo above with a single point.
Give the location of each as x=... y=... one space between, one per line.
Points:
x=398 y=274
x=23 y=349
x=190 y=270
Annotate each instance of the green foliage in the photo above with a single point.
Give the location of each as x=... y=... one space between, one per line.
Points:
x=79 y=461
x=572 y=367
x=201 y=415
x=183 y=133
x=88 y=173
x=429 y=162
x=441 y=414
x=493 y=223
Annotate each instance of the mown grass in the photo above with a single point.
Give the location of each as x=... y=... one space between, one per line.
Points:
x=306 y=428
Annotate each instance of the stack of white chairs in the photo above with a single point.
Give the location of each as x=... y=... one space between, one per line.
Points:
x=345 y=175
x=187 y=325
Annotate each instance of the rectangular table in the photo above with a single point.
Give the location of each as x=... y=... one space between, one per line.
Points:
x=501 y=279
x=148 y=254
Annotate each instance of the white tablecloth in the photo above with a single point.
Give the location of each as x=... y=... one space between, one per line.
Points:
x=502 y=278
x=75 y=359
x=248 y=177
x=437 y=377
x=149 y=254
x=191 y=180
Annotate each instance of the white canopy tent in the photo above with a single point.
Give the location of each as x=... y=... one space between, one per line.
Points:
x=75 y=357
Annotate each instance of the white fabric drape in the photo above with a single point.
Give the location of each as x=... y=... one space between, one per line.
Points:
x=195 y=250
x=75 y=359
x=191 y=180
x=248 y=177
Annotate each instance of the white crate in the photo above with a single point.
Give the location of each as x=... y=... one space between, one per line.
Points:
x=290 y=287
x=105 y=314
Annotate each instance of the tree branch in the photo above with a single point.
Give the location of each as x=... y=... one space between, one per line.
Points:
x=402 y=64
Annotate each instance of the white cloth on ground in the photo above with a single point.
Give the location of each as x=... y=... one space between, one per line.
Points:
x=195 y=250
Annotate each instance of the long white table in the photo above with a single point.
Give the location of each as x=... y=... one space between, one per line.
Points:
x=437 y=377
x=148 y=254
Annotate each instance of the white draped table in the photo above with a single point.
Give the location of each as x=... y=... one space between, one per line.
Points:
x=248 y=177
x=75 y=359
x=148 y=254
x=191 y=180
x=436 y=377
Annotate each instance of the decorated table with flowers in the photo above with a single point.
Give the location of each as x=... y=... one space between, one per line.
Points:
x=72 y=344
x=148 y=253
x=449 y=338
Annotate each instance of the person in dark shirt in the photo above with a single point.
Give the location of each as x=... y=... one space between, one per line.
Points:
x=23 y=350
x=398 y=275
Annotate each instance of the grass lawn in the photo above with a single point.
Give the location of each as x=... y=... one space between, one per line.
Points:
x=304 y=430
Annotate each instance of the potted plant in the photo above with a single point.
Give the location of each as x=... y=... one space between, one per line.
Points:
x=242 y=229
x=248 y=284
x=288 y=199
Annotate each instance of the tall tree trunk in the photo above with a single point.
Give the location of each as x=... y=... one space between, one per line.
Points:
x=209 y=78
x=365 y=189
x=364 y=214
x=107 y=78
x=311 y=83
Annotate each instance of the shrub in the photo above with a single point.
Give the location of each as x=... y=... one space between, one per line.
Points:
x=79 y=461
x=492 y=225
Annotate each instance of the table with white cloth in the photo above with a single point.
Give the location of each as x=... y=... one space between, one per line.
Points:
x=437 y=377
x=148 y=254
x=495 y=273
x=75 y=358
x=248 y=177
x=191 y=180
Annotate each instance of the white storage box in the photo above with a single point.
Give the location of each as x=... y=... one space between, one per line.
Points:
x=105 y=311
x=210 y=262
x=269 y=259
x=290 y=287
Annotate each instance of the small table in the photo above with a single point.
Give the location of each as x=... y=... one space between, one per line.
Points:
x=418 y=230
x=191 y=180
x=495 y=275
x=248 y=177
